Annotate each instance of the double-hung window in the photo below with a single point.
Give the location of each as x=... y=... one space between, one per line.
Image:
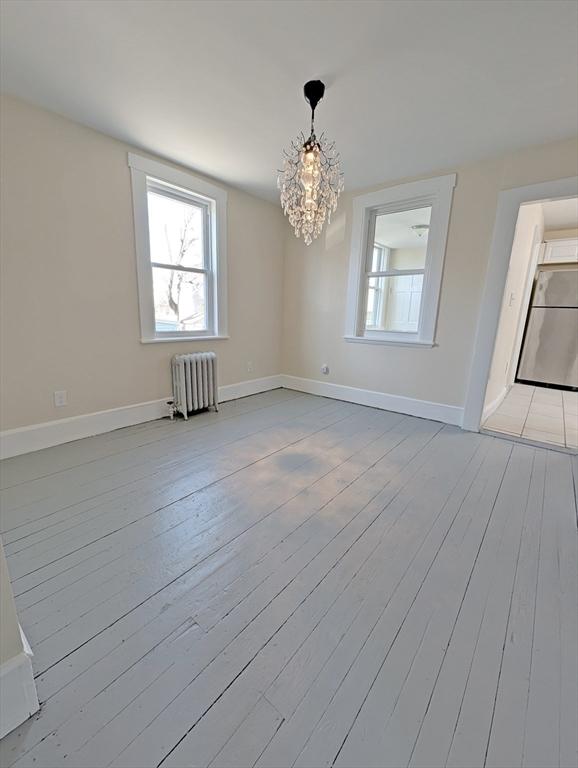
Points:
x=180 y=229
x=398 y=246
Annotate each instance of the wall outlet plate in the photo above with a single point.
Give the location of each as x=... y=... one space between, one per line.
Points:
x=60 y=398
x=325 y=369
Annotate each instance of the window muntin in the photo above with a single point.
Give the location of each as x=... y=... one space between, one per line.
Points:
x=395 y=268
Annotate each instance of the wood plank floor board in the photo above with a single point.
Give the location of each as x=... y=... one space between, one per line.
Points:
x=143 y=505
x=303 y=714
x=305 y=475
x=560 y=495
x=190 y=479
x=247 y=743
x=376 y=677
x=23 y=470
x=219 y=433
x=325 y=489
x=75 y=501
x=112 y=470
x=324 y=452
x=397 y=552
x=296 y=581
x=184 y=541
x=269 y=664
x=150 y=476
x=138 y=751
x=434 y=737
x=223 y=595
x=289 y=687
x=260 y=615
x=425 y=429
x=489 y=614
x=552 y=709
x=280 y=581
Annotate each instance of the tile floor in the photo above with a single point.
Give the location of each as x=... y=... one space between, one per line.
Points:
x=538 y=413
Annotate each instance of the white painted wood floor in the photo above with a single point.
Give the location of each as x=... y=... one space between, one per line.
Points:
x=296 y=581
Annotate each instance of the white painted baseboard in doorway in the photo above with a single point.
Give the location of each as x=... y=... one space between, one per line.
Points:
x=18 y=698
x=450 y=414
x=495 y=404
x=14 y=442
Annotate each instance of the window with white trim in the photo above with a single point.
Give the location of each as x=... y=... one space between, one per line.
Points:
x=180 y=230
x=398 y=246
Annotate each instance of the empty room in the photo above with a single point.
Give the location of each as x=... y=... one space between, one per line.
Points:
x=289 y=383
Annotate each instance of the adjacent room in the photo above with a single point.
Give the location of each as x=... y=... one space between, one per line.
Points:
x=532 y=391
x=288 y=383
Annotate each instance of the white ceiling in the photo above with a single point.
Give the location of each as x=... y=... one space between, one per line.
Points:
x=395 y=229
x=412 y=87
x=561 y=214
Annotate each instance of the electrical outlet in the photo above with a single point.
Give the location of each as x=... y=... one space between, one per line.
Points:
x=60 y=398
x=249 y=366
x=325 y=370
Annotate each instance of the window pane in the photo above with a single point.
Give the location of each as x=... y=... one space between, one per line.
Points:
x=379 y=258
x=393 y=303
x=175 y=231
x=402 y=236
x=180 y=300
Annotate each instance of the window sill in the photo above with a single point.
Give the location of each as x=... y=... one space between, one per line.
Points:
x=177 y=339
x=389 y=342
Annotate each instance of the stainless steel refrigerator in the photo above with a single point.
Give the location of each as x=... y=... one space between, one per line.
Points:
x=550 y=347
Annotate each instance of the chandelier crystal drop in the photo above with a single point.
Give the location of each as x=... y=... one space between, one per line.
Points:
x=311 y=179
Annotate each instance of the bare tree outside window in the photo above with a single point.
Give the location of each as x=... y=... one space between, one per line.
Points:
x=179 y=274
x=187 y=237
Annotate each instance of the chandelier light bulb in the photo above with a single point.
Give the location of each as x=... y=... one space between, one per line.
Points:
x=311 y=180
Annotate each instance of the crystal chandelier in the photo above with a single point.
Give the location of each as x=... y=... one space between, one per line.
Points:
x=311 y=180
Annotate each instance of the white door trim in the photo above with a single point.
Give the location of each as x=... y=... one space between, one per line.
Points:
x=509 y=203
x=18 y=697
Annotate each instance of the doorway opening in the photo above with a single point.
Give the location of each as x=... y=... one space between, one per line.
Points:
x=532 y=389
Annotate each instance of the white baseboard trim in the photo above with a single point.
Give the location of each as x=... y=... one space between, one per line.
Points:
x=18 y=698
x=449 y=414
x=495 y=404
x=35 y=437
x=251 y=387
x=14 y=442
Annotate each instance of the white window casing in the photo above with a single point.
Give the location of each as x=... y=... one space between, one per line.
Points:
x=435 y=192
x=147 y=173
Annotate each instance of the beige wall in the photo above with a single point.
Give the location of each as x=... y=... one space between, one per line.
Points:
x=69 y=292
x=408 y=258
x=316 y=276
x=523 y=260
x=69 y=298
x=10 y=641
x=560 y=234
